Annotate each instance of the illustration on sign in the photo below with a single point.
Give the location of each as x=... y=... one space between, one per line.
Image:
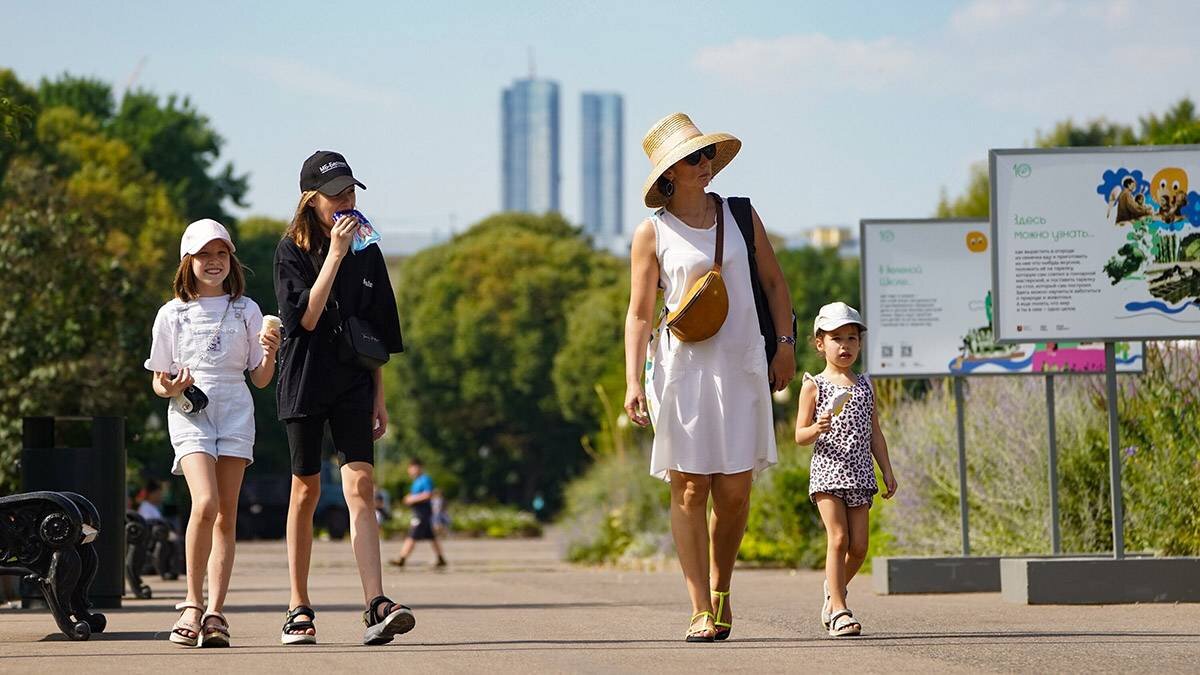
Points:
x=979 y=348
x=1162 y=246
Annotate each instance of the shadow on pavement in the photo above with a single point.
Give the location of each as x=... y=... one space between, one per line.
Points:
x=111 y=635
x=233 y=609
x=964 y=635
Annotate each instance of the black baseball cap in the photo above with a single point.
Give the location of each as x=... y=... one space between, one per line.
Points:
x=327 y=172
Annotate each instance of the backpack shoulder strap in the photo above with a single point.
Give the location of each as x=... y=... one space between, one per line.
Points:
x=743 y=213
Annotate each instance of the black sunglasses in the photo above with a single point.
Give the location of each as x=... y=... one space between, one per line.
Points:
x=708 y=151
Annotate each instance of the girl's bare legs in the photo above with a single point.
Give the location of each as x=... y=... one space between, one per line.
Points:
x=731 y=507
x=358 y=485
x=833 y=515
x=306 y=490
x=858 y=519
x=229 y=472
x=199 y=469
x=689 y=526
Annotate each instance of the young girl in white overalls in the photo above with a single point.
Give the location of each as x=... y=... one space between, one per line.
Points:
x=837 y=416
x=204 y=341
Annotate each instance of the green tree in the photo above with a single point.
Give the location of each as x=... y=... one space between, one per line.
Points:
x=88 y=234
x=593 y=353
x=170 y=138
x=88 y=96
x=1178 y=125
x=18 y=113
x=178 y=143
x=74 y=324
x=973 y=202
x=484 y=316
x=1093 y=133
x=816 y=276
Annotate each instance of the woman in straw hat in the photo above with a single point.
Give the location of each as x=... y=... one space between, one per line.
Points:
x=710 y=400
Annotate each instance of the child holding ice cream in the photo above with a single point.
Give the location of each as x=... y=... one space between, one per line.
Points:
x=837 y=414
x=204 y=341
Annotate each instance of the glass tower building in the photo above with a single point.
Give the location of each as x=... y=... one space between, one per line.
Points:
x=603 y=132
x=529 y=131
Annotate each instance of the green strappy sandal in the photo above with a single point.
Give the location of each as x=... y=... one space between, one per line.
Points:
x=723 y=629
x=693 y=635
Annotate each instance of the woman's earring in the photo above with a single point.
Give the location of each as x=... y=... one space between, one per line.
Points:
x=666 y=187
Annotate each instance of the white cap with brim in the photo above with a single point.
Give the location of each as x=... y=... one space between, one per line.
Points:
x=835 y=315
x=198 y=234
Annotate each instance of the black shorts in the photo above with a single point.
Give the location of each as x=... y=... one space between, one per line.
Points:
x=421 y=526
x=353 y=438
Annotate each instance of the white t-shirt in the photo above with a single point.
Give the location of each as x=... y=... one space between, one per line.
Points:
x=164 y=357
x=149 y=511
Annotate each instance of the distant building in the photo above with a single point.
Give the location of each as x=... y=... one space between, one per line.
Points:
x=827 y=236
x=603 y=174
x=530 y=139
x=844 y=239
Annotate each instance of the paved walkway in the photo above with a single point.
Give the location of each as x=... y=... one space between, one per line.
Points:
x=511 y=606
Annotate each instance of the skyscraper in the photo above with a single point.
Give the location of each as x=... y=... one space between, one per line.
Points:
x=529 y=130
x=603 y=134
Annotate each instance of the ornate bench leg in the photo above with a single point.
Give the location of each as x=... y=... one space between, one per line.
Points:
x=80 y=605
x=89 y=563
x=163 y=555
x=136 y=535
x=58 y=586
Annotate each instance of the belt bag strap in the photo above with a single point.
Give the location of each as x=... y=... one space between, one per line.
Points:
x=703 y=309
x=720 y=233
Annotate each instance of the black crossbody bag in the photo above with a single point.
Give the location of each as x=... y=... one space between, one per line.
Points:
x=358 y=343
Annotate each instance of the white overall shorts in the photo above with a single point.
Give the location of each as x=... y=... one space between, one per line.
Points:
x=215 y=345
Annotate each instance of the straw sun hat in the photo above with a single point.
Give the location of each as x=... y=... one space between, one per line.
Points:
x=671 y=139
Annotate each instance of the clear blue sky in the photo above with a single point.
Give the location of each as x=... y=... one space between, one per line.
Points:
x=847 y=110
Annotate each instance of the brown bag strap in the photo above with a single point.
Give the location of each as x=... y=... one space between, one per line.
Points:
x=720 y=232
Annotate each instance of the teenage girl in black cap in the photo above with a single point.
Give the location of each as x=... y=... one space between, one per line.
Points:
x=320 y=284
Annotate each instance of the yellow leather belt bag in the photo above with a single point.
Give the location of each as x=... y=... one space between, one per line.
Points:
x=703 y=309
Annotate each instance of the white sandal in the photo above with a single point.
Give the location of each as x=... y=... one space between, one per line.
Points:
x=825 y=604
x=843 y=624
x=177 y=635
x=825 y=609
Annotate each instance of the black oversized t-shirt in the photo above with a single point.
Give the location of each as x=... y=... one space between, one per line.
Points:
x=311 y=376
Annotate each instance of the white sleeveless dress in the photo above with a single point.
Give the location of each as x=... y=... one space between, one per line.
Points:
x=709 y=401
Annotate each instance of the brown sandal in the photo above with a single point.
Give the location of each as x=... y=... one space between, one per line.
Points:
x=213 y=634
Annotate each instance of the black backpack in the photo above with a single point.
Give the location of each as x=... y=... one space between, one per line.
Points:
x=743 y=213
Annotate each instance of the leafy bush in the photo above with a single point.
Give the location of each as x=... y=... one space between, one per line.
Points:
x=495 y=522
x=473 y=520
x=784 y=526
x=617 y=510
x=1160 y=431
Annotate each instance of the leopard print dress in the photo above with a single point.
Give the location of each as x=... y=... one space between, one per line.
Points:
x=842 y=464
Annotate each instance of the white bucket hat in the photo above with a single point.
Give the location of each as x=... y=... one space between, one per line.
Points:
x=198 y=234
x=835 y=315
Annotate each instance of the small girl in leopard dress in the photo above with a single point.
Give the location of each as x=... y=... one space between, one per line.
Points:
x=837 y=412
